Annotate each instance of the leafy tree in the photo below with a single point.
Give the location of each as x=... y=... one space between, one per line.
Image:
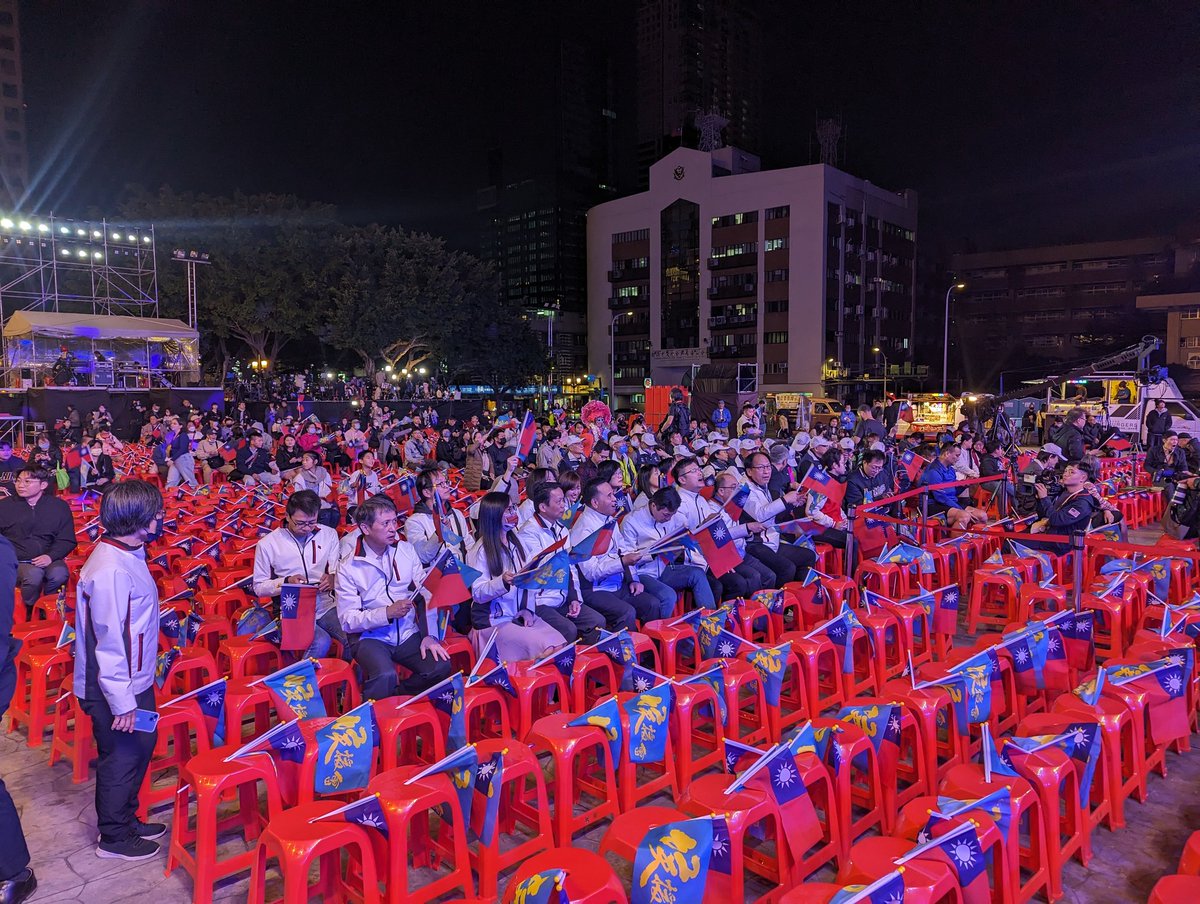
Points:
x=261 y=287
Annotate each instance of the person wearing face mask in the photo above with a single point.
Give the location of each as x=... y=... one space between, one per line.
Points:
x=312 y=476
x=310 y=439
x=302 y=551
x=381 y=604
x=46 y=455
x=96 y=469
x=500 y=610
x=362 y=483
x=116 y=642
x=817 y=507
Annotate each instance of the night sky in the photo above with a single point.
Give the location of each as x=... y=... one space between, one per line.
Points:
x=1018 y=123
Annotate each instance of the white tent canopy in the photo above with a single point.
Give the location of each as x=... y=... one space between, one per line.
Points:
x=95 y=326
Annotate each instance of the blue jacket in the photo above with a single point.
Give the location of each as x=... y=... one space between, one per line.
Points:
x=935 y=473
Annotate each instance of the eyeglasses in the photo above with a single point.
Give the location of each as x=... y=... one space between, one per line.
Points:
x=309 y=523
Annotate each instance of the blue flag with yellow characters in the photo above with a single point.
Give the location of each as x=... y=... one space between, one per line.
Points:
x=163 y=665
x=997 y=805
x=553 y=574
x=460 y=766
x=714 y=678
x=297 y=686
x=546 y=887
x=771 y=665
x=671 y=863
x=606 y=716
x=345 y=752
x=649 y=715
x=449 y=698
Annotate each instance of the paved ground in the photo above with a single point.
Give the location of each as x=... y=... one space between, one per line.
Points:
x=59 y=822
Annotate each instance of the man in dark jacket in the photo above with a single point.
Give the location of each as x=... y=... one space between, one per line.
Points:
x=1158 y=422
x=17 y=881
x=42 y=530
x=1070 y=437
x=869 y=481
x=1071 y=511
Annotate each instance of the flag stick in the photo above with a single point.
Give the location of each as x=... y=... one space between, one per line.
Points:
x=428 y=691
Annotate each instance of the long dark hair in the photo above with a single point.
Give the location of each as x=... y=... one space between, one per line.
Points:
x=492 y=533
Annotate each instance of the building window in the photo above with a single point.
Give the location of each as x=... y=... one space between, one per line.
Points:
x=1045 y=341
x=1043 y=316
x=994 y=273
x=775 y=244
x=1190 y=314
x=10 y=90
x=634 y=235
x=775 y=337
x=777 y=275
x=779 y=213
x=1190 y=342
x=12 y=114
x=734 y=250
x=1056 y=267
x=1111 y=288
x=777 y=307
x=1104 y=263
x=995 y=295
x=736 y=219
x=1042 y=292
x=1193 y=361
x=680 y=224
x=776 y=367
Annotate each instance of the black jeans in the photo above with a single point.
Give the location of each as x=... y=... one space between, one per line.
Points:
x=121 y=767
x=615 y=605
x=584 y=627
x=378 y=661
x=789 y=563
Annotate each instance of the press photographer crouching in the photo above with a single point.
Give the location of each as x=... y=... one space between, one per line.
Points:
x=1069 y=510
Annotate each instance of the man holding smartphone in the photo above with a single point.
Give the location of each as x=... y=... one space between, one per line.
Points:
x=116 y=645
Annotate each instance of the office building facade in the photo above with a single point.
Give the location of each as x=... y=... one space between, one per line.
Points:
x=798 y=273
x=14 y=160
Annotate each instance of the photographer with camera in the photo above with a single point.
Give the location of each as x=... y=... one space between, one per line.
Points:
x=1042 y=469
x=1166 y=460
x=1068 y=511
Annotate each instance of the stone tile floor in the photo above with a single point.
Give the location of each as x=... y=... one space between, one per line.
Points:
x=59 y=823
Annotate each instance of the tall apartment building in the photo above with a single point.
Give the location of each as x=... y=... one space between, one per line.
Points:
x=14 y=161
x=540 y=185
x=697 y=56
x=1033 y=310
x=799 y=272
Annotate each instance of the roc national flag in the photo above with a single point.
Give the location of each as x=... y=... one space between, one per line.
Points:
x=737 y=502
x=1165 y=685
x=297 y=616
x=460 y=766
x=671 y=863
x=595 y=544
x=285 y=745
x=888 y=889
x=366 y=812
x=717 y=546
x=913 y=464
x=724 y=645
x=771 y=665
x=163 y=663
x=819 y=481
x=997 y=805
x=959 y=848
x=778 y=774
x=739 y=756
x=345 y=751
x=210 y=699
x=606 y=716
x=168 y=623
x=296 y=686
x=715 y=678
x=649 y=714
x=449 y=581
x=525 y=438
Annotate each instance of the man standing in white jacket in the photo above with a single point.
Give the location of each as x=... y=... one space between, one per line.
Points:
x=116 y=646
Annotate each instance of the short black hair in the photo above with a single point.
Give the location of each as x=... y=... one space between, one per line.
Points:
x=591 y=488
x=371 y=508
x=129 y=506
x=666 y=498
x=304 y=501
x=541 y=494
x=873 y=455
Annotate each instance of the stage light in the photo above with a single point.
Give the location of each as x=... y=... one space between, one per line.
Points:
x=25 y=225
x=146 y=239
x=132 y=238
x=97 y=234
x=42 y=227
x=116 y=236
x=6 y=223
x=66 y=252
x=64 y=230
x=82 y=253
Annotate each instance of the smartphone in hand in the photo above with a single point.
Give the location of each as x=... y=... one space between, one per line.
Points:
x=144 y=720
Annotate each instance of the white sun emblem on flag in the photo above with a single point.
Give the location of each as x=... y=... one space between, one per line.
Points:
x=448 y=697
x=719 y=845
x=1021 y=655
x=837 y=753
x=1079 y=736
x=894 y=725
x=370 y=819
x=292 y=743
x=1174 y=684
x=641 y=684
x=922 y=837
x=1175 y=659
x=1052 y=643
x=837 y=632
x=963 y=853
x=896 y=898
x=288 y=603
x=718 y=532
x=731 y=761
x=486 y=769
x=785 y=775
x=213 y=699
x=725 y=648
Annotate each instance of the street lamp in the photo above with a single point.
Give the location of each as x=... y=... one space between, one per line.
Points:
x=612 y=356
x=877 y=350
x=946 y=333
x=421 y=371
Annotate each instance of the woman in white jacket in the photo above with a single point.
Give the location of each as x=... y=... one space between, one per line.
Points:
x=499 y=608
x=116 y=647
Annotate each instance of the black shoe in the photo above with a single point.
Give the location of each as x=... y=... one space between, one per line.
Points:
x=130 y=848
x=146 y=830
x=14 y=891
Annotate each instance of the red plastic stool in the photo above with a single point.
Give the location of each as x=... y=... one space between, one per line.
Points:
x=625 y=835
x=925 y=880
x=582 y=765
x=540 y=691
x=1122 y=771
x=1099 y=805
x=410 y=844
x=1175 y=890
x=745 y=703
x=994 y=601
x=905 y=771
x=72 y=736
x=589 y=879
x=410 y=733
x=1036 y=601
x=294 y=841
x=241 y=657
x=594 y=678
x=1112 y=624
x=462 y=652
x=638 y=781
x=855 y=785
x=698 y=739
x=178 y=725
x=485 y=712
x=243 y=701
x=915 y=816
x=943 y=745
x=40 y=674
x=670 y=640
x=821 y=668
x=194 y=668
x=523 y=802
x=208 y=779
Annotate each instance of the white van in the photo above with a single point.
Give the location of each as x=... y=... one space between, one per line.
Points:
x=1128 y=403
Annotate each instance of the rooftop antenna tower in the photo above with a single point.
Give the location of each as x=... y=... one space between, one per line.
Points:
x=829 y=137
x=710 y=125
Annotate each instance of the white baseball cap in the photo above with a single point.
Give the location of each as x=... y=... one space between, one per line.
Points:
x=1054 y=449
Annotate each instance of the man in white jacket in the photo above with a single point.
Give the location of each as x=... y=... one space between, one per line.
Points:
x=379 y=599
x=116 y=646
x=302 y=552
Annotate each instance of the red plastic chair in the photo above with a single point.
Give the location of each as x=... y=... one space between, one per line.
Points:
x=589 y=879
x=524 y=803
x=583 y=765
